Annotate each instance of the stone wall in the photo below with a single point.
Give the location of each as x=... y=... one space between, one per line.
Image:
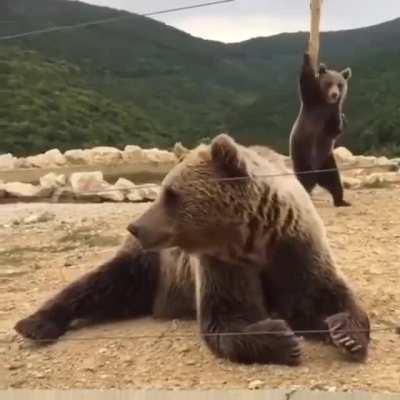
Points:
x=358 y=172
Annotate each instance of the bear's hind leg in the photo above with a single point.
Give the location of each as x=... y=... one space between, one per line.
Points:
x=330 y=180
x=121 y=287
x=233 y=321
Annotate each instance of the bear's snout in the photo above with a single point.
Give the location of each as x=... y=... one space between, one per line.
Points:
x=153 y=229
x=134 y=230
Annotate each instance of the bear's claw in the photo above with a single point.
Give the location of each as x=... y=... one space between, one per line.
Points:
x=343 y=334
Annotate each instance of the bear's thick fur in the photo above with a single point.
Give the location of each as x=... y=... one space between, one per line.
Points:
x=319 y=124
x=244 y=255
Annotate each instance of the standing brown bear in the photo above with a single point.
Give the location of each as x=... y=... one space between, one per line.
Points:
x=317 y=128
x=245 y=253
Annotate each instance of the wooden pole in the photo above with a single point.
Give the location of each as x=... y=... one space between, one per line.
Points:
x=313 y=45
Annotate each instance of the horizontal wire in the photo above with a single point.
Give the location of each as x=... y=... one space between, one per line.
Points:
x=394 y=329
x=235 y=179
x=112 y=19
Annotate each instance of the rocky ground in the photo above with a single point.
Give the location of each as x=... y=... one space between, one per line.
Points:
x=40 y=253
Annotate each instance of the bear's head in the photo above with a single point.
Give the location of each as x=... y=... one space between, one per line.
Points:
x=205 y=200
x=334 y=84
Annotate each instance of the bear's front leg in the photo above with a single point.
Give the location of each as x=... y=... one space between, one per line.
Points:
x=350 y=332
x=233 y=321
x=309 y=85
x=122 y=286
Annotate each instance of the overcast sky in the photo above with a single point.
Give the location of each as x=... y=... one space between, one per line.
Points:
x=244 y=19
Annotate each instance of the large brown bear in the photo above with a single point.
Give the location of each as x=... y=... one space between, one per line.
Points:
x=246 y=253
x=319 y=124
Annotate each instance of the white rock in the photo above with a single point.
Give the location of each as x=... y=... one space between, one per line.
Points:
x=364 y=161
x=351 y=183
x=56 y=157
x=396 y=161
x=128 y=189
x=392 y=177
x=133 y=154
x=105 y=155
x=149 y=192
x=378 y=180
x=124 y=184
x=92 y=184
x=134 y=196
x=22 y=163
x=21 y=190
x=343 y=155
x=53 y=181
x=7 y=161
x=159 y=156
x=374 y=181
x=50 y=159
x=78 y=156
x=84 y=182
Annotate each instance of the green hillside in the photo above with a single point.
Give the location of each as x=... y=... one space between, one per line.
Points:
x=141 y=81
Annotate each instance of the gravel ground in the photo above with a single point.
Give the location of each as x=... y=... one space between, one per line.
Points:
x=38 y=259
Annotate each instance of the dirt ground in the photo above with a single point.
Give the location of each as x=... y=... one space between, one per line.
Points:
x=38 y=259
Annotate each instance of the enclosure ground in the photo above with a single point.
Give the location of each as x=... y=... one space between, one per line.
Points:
x=36 y=260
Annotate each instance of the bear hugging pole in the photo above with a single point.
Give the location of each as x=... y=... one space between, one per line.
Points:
x=313 y=45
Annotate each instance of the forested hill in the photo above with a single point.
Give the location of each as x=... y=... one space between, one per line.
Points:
x=141 y=81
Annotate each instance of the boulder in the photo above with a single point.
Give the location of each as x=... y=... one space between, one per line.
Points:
x=77 y=156
x=381 y=180
x=396 y=161
x=25 y=190
x=351 y=183
x=374 y=181
x=133 y=154
x=92 y=185
x=149 y=192
x=87 y=181
x=49 y=159
x=22 y=163
x=343 y=155
x=56 y=157
x=105 y=155
x=159 y=156
x=7 y=161
x=128 y=189
x=53 y=181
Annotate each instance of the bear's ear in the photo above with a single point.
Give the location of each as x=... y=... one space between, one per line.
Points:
x=347 y=73
x=322 y=69
x=225 y=155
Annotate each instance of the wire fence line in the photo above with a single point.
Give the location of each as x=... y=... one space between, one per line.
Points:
x=162 y=335
x=110 y=20
x=241 y=178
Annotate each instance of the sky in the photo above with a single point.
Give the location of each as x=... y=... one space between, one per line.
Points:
x=245 y=19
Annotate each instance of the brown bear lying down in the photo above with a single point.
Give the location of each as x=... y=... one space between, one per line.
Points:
x=248 y=255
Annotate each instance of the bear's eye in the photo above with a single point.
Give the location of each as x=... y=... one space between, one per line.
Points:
x=340 y=86
x=171 y=197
